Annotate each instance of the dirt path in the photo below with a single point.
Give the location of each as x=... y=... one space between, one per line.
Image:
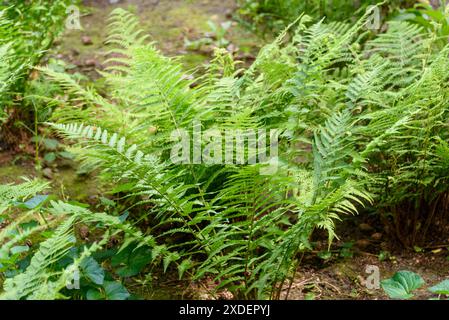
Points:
x=170 y=23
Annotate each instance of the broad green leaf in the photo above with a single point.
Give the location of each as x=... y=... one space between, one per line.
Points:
x=92 y=270
x=94 y=294
x=115 y=291
x=136 y=261
x=29 y=225
x=440 y=288
x=402 y=284
x=121 y=257
x=50 y=157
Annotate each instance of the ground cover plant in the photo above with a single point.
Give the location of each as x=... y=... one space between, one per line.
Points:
x=348 y=122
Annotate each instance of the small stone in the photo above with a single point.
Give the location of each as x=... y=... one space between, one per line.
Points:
x=225 y=295
x=210 y=35
x=435 y=4
x=362 y=243
x=86 y=40
x=84 y=232
x=365 y=227
x=232 y=48
x=246 y=56
x=187 y=77
x=193 y=85
x=376 y=236
x=47 y=173
x=90 y=63
x=152 y=130
x=229 y=13
x=34 y=75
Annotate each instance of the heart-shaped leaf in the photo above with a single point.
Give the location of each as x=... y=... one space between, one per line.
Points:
x=401 y=285
x=136 y=261
x=92 y=270
x=115 y=291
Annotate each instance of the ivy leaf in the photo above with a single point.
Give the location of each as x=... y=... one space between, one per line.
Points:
x=441 y=288
x=401 y=285
x=92 y=270
x=115 y=291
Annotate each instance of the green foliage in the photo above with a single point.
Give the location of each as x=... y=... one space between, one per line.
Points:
x=441 y=288
x=402 y=284
x=52 y=265
x=27 y=31
x=242 y=228
x=10 y=194
x=276 y=14
x=433 y=19
x=360 y=117
x=218 y=40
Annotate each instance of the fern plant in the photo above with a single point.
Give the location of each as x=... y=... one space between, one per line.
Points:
x=21 y=48
x=236 y=225
x=361 y=119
